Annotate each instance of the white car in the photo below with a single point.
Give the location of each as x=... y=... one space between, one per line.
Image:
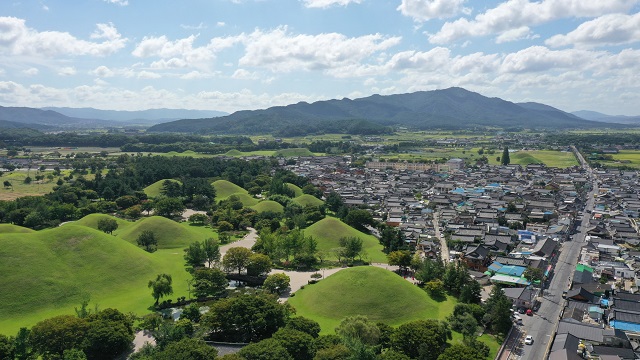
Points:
x=528 y=340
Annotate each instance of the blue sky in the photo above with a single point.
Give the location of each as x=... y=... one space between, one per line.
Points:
x=233 y=55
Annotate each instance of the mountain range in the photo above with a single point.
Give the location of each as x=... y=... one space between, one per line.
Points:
x=453 y=108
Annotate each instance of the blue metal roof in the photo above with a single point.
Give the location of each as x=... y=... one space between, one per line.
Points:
x=625 y=326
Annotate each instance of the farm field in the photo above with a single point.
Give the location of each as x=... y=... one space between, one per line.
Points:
x=624 y=158
x=20 y=189
x=551 y=158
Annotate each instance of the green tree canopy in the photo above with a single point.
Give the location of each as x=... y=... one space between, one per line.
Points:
x=161 y=286
x=236 y=258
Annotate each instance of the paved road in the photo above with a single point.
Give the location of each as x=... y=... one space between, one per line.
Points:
x=543 y=324
x=444 y=248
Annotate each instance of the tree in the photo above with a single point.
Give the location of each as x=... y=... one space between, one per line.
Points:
x=74 y=354
x=393 y=355
x=334 y=201
x=147 y=239
x=269 y=349
x=276 y=283
x=300 y=345
x=198 y=219
x=107 y=225
x=187 y=349
x=22 y=345
x=169 y=207
x=304 y=324
x=211 y=249
x=110 y=334
x=259 y=264
x=161 y=286
x=505 y=160
x=498 y=311
x=236 y=258
x=51 y=337
x=534 y=275
x=7 y=184
x=424 y=339
x=359 y=218
x=465 y=352
x=471 y=293
x=7 y=348
x=359 y=327
x=195 y=255
x=400 y=258
x=245 y=318
x=429 y=270
x=209 y=282
x=351 y=247
x=435 y=288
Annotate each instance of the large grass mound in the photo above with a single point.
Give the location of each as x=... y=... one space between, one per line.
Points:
x=293 y=152
x=268 y=205
x=328 y=232
x=92 y=220
x=48 y=272
x=379 y=294
x=308 y=200
x=296 y=189
x=224 y=189
x=169 y=233
x=14 y=229
x=233 y=152
x=155 y=189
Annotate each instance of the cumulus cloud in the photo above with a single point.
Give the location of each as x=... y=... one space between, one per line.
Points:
x=323 y=4
x=18 y=39
x=67 y=71
x=243 y=74
x=516 y=34
x=148 y=75
x=194 y=27
x=611 y=29
x=514 y=14
x=103 y=72
x=423 y=10
x=31 y=71
x=280 y=51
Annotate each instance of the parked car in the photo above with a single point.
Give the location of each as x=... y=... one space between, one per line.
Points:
x=522 y=310
x=528 y=340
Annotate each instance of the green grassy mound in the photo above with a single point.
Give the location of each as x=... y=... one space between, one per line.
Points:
x=225 y=188
x=155 y=189
x=308 y=200
x=523 y=158
x=268 y=205
x=374 y=292
x=328 y=232
x=14 y=229
x=233 y=152
x=247 y=200
x=48 y=272
x=293 y=152
x=296 y=189
x=169 y=233
x=91 y=221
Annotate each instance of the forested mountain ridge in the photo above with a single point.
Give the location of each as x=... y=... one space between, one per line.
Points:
x=453 y=108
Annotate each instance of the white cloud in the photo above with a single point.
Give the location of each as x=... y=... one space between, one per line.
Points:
x=423 y=10
x=118 y=2
x=67 y=71
x=279 y=51
x=196 y=75
x=514 y=14
x=242 y=74
x=540 y=58
x=173 y=63
x=323 y=4
x=611 y=29
x=516 y=34
x=103 y=72
x=17 y=39
x=31 y=71
x=220 y=24
x=148 y=75
x=192 y=27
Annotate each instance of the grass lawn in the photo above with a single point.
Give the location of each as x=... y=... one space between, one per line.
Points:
x=20 y=189
x=623 y=158
x=308 y=200
x=367 y=290
x=296 y=189
x=155 y=189
x=169 y=233
x=14 y=229
x=328 y=232
x=46 y=273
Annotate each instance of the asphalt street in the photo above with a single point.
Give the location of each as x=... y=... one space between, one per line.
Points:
x=543 y=323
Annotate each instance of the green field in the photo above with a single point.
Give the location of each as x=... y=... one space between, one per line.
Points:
x=20 y=189
x=14 y=229
x=155 y=189
x=47 y=273
x=328 y=232
x=629 y=158
x=268 y=205
x=308 y=200
x=379 y=294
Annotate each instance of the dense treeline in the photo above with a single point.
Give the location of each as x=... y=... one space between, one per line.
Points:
x=589 y=140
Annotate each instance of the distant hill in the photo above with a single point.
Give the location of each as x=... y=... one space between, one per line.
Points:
x=453 y=108
x=143 y=117
x=37 y=117
x=596 y=116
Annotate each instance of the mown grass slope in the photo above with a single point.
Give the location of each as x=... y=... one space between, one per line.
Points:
x=379 y=294
x=328 y=232
x=155 y=189
x=92 y=220
x=268 y=205
x=48 y=272
x=14 y=229
x=169 y=233
x=308 y=200
x=296 y=189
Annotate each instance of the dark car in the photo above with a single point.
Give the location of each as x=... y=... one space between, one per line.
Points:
x=522 y=310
